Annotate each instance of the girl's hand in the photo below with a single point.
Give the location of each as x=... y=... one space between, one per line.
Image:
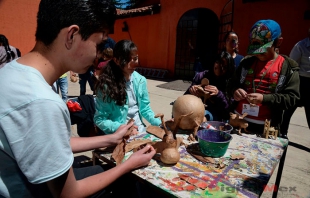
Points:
x=212 y=89
x=134 y=131
x=193 y=90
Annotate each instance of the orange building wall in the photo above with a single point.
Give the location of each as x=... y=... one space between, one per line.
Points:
x=18 y=22
x=155 y=35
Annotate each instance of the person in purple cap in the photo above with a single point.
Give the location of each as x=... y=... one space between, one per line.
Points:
x=265 y=83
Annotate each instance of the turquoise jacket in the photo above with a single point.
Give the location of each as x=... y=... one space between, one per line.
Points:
x=109 y=116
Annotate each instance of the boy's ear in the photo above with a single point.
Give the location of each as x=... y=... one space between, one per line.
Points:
x=72 y=32
x=279 y=42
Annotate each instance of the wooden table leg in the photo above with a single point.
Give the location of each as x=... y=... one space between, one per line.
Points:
x=97 y=157
x=94 y=158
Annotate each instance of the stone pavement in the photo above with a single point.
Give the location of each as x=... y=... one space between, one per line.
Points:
x=295 y=180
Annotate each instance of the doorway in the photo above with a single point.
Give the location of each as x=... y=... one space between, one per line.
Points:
x=197 y=36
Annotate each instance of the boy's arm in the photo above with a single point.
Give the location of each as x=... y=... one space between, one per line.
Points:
x=288 y=96
x=67 y=186
x=81 y=144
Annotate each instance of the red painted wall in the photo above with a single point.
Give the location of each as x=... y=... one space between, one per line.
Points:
x=18 y=22
x=155 y=35
x=288 y=13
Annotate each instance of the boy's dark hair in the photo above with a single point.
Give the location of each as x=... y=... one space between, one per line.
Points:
x=90 y=15
x=5 y=43
x=275 y=42
x=111 y=81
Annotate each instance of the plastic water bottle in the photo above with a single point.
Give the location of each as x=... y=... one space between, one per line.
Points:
x=209 y=126
x=206 y=125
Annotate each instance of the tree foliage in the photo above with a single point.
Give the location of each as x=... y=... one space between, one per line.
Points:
x=125 y=4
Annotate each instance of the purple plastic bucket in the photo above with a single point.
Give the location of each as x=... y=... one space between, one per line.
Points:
x=216 y=124
x=213 y=143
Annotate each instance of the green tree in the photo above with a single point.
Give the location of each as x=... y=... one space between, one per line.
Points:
x=131 y=3
x=125 y=4
x=120 y=3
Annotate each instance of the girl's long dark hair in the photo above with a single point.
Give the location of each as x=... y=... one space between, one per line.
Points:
x=230 y=67
x=222 y=81
x=111 y=82
x=10 y=55
x=230 y=70
x=227 y=77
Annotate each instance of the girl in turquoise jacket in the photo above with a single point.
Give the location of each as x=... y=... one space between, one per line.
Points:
x=122 y=92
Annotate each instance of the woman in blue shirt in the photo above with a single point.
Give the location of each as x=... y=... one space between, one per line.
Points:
x=231 y=46
x=122 y=92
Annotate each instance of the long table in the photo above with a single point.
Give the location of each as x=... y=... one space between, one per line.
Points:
x=238 y=178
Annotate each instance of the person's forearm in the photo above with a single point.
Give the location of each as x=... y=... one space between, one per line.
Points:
x=95 y=183
x=66 y=185
x=81 y=144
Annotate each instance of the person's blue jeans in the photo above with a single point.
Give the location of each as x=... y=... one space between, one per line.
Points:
x=62 y=85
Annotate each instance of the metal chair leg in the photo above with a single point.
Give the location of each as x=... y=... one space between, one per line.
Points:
x=279 y=174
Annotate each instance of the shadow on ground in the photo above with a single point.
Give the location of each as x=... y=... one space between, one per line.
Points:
x=178 y=85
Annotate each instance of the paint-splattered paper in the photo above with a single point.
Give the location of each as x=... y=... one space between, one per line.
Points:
x=238 y=178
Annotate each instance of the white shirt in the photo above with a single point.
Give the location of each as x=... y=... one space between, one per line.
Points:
x=133 y=109
x=34 y=131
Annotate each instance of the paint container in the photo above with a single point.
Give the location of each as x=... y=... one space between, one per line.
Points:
x=213 y=143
